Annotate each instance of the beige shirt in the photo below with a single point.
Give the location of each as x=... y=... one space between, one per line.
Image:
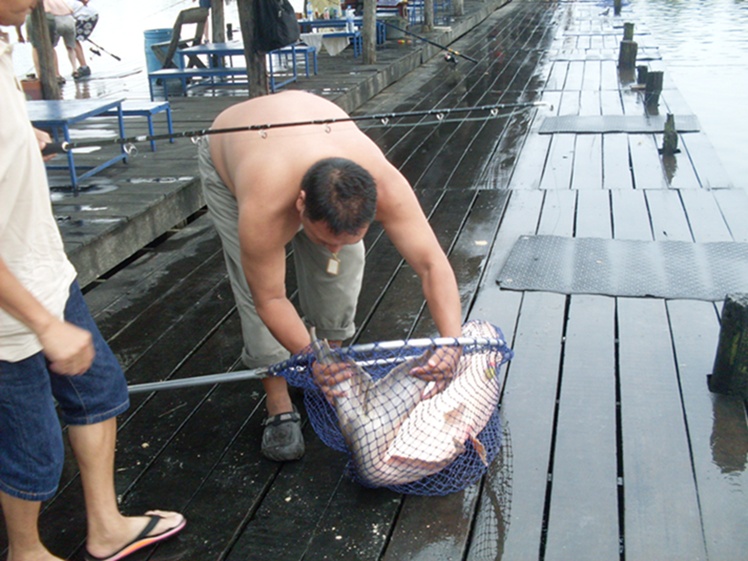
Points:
x=30 y=241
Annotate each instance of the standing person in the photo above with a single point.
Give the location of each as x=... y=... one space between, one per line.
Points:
x=317 y=187
x=64 y=27
x=51 y=351
x=85 y=18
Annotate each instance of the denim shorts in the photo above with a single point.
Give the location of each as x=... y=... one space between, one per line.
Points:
x=30 y=431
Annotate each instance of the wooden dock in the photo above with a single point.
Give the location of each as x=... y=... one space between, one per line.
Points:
x=618 y=450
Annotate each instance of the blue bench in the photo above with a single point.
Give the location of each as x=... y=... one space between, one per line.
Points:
x=147 y=109
x=184 y=74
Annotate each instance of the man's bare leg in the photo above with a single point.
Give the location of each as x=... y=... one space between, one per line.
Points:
x=108 y=529
x=21 y=524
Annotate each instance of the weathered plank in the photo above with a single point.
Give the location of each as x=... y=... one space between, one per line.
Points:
x=657 y=475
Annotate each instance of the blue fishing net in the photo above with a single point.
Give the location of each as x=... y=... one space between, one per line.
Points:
x=395 y=438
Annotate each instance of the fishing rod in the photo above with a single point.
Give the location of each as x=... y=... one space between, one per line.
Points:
x=440 y=114
x=300 y=362
x=430 y=42
x=99 y=48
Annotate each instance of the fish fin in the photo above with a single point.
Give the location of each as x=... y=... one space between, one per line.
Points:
x=454 y=416
x=478 y=445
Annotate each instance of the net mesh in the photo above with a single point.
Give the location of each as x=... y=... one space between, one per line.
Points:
x=395 y=434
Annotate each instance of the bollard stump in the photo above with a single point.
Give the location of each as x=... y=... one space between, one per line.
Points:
x=653 y=89
x=627 y=54
x=617 y=7
x=628 y=31
x=670 y=137
x=730 y=372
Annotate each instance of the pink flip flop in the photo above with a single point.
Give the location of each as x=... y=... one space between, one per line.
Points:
x=142 y=540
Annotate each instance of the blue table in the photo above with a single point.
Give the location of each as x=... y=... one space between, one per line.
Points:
x=308 y=26
x=57 y=116
x=218 y=53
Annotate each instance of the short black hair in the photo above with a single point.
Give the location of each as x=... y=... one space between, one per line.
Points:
x=341 y=193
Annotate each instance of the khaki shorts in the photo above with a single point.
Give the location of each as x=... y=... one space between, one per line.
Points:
x=328 y=302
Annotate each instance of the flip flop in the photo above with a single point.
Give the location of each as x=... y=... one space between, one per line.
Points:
x=142 y=540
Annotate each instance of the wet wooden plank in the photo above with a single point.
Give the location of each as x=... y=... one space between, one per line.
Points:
x=645 y=162
x=733 y=203
x=617 y=173
x=658 y=480
x=531 y=386
x=630 y=216
x=558 y=166
x=587 y=172
x=593 y=216
x=705 y=217
x=669 y=221
x=717 y=430
x=583 y=516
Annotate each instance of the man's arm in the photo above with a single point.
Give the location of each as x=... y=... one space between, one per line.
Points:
x=68 y=347
x=406 y=225
x=408 y=229
x=263 y=244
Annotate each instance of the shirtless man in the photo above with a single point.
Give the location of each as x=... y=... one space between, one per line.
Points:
x=317 y=187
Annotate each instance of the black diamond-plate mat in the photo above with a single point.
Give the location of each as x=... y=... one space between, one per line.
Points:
x=667 y=269
x=595 y=124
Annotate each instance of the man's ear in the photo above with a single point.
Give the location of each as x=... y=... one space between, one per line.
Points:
x=300 y=202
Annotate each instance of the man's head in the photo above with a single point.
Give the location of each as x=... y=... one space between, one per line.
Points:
x=341 y=194
x=14 y=12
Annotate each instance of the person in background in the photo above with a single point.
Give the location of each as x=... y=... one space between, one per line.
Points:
x=52 y=356
x=85 y=18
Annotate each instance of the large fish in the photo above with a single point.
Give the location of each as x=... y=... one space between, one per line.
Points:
x=394 y=436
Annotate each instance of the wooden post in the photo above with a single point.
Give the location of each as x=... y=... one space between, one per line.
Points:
x=730 y=373
x=256 y=71
x=628 y=31
x=369 y=32
x=428 y=15
x=217 y=21
x=45 y=54
x=617 y=7
x=641 y=74
x=670 y=138
x=627 y=54
x=654 y=87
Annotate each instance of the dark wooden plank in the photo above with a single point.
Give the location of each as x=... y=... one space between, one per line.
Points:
x=717 y=431
x=531 y=384
x=583 y=517
x=657 y=476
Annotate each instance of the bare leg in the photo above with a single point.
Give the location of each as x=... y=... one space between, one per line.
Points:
x=108 y=530
x=21 y=523
x=79 y=54
x=278 y=400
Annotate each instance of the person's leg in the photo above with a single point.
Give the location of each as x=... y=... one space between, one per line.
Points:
x=108 y=530
x=21 y=519
x=282 y=439
x=89 y=405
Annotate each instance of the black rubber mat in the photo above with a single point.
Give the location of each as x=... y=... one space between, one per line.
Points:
x=595 y=124
x=667 y=269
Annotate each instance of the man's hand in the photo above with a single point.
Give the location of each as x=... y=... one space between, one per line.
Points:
x=68 y=348
x=43 y=139
x=327 y=376
x=439 y=368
